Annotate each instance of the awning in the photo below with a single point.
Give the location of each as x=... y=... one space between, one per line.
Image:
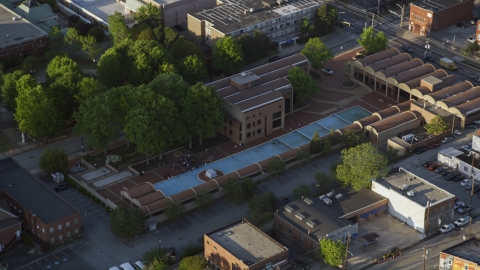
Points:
x=373 y=212
x=363 y=216
x=382 y=208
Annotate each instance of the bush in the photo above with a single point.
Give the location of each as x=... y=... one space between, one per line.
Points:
x=191 y=250
x=97 y=33
x=27 y=240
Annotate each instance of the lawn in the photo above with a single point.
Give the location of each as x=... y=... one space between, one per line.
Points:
x=6 y=145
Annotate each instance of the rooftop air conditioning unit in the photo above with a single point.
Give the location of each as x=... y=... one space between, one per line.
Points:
x=299 y=216
x=289 y=209
x=243 y=74
x=308 y=201
x=311 y=223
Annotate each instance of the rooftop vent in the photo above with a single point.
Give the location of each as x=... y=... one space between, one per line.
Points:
x=308 y=201
x=311 y=223
x=289 y=209
x=243 y=74
x=299 y=216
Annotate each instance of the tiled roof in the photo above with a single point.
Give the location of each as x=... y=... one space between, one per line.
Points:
x=404 y=105
x=249 y=170
x=205 y=186
x=395 y=121
x=387 y=112
x=257 y=91
x=397 y=59
x=263 y=164
x=151 y=197
x=413 y=73
x=181 y=196
x=368 y=120
x=377 y=57
x=462 y=97
x=450 y=80
x=403 y=67
x=158 y=205
x=451 y=90
x=471 y=105
x=415 y=83
x=354 y=126
x=141 y=189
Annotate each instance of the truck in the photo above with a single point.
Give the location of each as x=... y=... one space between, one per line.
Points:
x=447 y=63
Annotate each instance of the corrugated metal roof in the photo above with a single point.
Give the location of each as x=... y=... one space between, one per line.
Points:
x=450 y=80
x=354 y=126
x=260 y=100
x=394 y=121
x=377 y=57
x=223 y=179
x=181 y=196
x=368 y=120
x=292 y=153
x=261 y=89
x=415 y=83
x=397 y=59
x=403 y=67
x=462 y=97
x=450 y=91
x=414 y=73
x=468 y=106
x=158 y=205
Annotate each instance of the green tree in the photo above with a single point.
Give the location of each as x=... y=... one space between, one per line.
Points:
x=326 y=145
x=303 y=84
x=149 y=14
x=89 y=87
x=227 y=54
x=193 y=263
x=146 y=34
x=332 y=252
x=174 y=210
x=73 y=39
x=90 y=47
x=202 y=112
x=326 y=18
x=317 y=53
x=239 y=190
x=97 y=118
x=262 y=43
x=171 y=86
x=316 y=144
x=154 y=254
x=275 y=165
x=350 y=137
x=263 y=203
x=437 y=126
x=322 y=179
x=9 y=89
x=56 y=38
x=249 y=50
x=203 y=199
x=157 y=265
x=360 y=164
x=303 y=155
x=182 y=48
x=170 y=37
x=371 y=41
x=53 y=160
x=306 y=27
x=193 y=70
x=29 y=63
x=97 y=33
x=117 y=27
x=301 y=189
x=127 y=222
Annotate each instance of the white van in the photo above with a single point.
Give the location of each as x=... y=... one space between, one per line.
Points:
x=409 y=137
x=126 y=266
x=138 y=265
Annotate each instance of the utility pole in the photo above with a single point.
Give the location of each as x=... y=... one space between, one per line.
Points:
x=346 y=252
x=473 y=174
x=373 y=17
x=425 y=253
x=428 y=215
x=402 y=14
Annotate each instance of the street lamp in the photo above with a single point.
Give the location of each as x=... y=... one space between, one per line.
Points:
x=95 y=61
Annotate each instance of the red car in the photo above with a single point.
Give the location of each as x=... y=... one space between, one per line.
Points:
x=434 y=166
x=433 y=145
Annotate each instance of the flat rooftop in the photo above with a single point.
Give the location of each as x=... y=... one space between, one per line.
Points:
x=432 y=108
x=100 y=8
x=437 y=4
x=31 y=193
x=468 y=250
x=246 y=242
x=423 y=189
x=230 y=16
x=16 y=31
x=468 y=159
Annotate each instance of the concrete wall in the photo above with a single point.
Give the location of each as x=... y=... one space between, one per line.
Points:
x=465 y=168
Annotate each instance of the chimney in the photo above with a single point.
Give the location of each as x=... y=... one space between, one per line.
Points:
x=308 y=232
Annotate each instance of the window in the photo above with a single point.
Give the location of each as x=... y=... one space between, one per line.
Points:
x=230 y=132
x=259 y=131
x=240 y=137
x=230 y=122
x=27 y=54
x=241 y=31
x=224 y=128
x=68 y=234
x=253 y=123
x=60 y=237
x=38 y=226
x=277 y=115
x=248 y=117
x=254 y=133
x=259 y=113
x=254 y=115
x=208 y=243
x=249 y=135
x=259 y=122
x=465 y=168
x=249 y=125
x=76 y=231
x=52 y=240
x=51 y=230
x=59 y=227
x=75 y=221
x=43 y=230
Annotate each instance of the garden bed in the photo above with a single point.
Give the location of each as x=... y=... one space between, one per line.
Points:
x=126 y=153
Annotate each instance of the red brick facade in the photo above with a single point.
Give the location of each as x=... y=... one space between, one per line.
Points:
x=34 y=47
x=7 y=235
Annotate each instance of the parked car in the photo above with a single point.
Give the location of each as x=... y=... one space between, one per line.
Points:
x=433 y=145
x=458 y=178
x=476 y=189
x=447 y=139
x=465 y=181
x=61 y=187
x=471 y=40
x=446 y=172
x=471 y=126
x=344 y=22
x=441 y=169
x=428 y=163
x=458 y=204
x=433 y=166
x=446 y=228
x=393 y=170
x=457 y=132
x=138 y=265
x=327 y=70
x=273 y=59
x=466 y=147
x=463 y=209
x=468 y=186
x=449 y=176
x=407 y=49
x=429 y=58
x=476 y=121
x=462 y=221
x=421 y=150
x=461 y=25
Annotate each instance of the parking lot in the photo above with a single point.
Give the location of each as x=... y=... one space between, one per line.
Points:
x=65 y=258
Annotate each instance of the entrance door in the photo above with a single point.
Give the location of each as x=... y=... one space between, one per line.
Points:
x=287 y=106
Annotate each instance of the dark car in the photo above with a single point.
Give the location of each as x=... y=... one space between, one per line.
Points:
x=273 y=59
x=449 y=177
x=461 y=25
x=179 y=27
x=426 y=164
x=61 y=187
x=476 y=189
x=433 y=145
x=441 y=169
x=471 y=126
x=433 y=166
x=407 y=49
x=393 y=170
x=421 y=150
x=446 y=172
x=429 y=58
x=458 y=178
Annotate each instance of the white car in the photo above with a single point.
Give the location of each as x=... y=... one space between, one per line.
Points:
x=462 y=221
x=458 y=204
x=327 y=70
x=447 y=139
x=471 y=39
x=458 y=132
x=465 y=182
x=446 y=228
x=476 y=121
x=467 y=147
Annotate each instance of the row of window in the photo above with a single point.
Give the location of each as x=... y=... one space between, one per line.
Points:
x=259 y=132
x=265 y=26
x=52 y=229
x=249 y=125
x=418 y=17
x=60 y=237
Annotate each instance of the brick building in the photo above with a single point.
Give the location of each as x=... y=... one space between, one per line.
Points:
x=464 y=256
x=431 y=16
x=304 y=222
x=242 y=246
x=10 y=226
x=49 y=217
x=420 y=204
x=280 y=20
x=258 y=100
x=20 y=38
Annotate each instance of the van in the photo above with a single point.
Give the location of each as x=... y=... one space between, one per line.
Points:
x=409 y=137
x=126 y=266
x=403 y=187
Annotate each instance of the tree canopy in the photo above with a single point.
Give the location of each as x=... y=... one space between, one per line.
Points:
x=117 y=27
x=350 y=137
x=127 y=222
x=193 y=70
x=228 y=55
x=53 y=160
x=303 y=84
x=332 y=252
x=317 y=53
x=436 y=126
x=9 y=89
x=360 y=164
x=316 y=144
x=150 y=14
x=326 y=18
x=306 y=27
x=182 y=48
x=174 y=210
x=301 y=189
x=239 y=190
x=275 y=165
x=371 y=41
x=193 y=263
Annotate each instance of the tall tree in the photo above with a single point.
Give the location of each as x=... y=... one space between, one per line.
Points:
x=30 y=63
x=436 y=126
x=182 y=48
x=9 y=89
x=306 y=27
x=332 y=252
x=127 y=222
x=371 y=41
x=350 y=137
x=89 y=87
x=316 y=144
x=90 y=47
x=275 y=165
x=73 y=39
x=303 y=155
x=170 y=37
x=300 y=190
x=227 y=54
x=360 y=164
x=262 y=43
x=263 y=203
x=56 y=38
x=317 y=53
x=239 y=190
x=203 y=112
x=149 y=14
x=249 y=49
x=326 y=18
x=193 y=70
x=174 y=210
x=303 y=84
x=53 y=160
x=117 y=27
